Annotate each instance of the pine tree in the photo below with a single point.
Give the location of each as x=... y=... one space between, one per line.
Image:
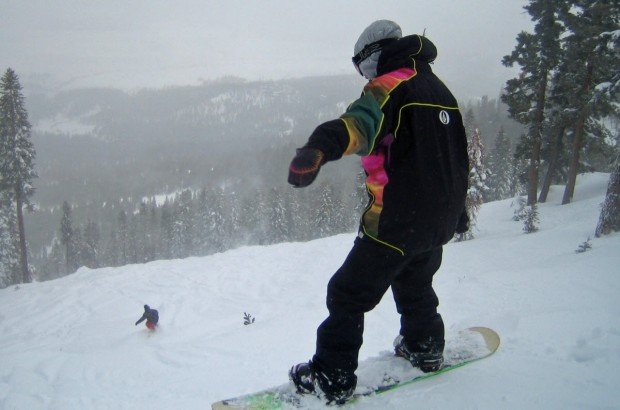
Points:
x=183 y=231
x=9 y=245
x=112 y=250
x=91 y=245
x=469 y=122
x=79 y=248
x=279 y=224
x=518 y=180
x=132 y=240
x=203 y=225
x=122 y=238
x=254 y=219
x=324 y=220
x=301 y=215
x=214 y=216
x=500 y=168
x=219 y=221
x=54 y=266
x=593 y=43
x=234 y=220
x=537 y=54
x=520 y=205
x=478 y=175
x=16 y=157
x=66 y=237
x=154 y=231
x=143 y=235
x=166 y=229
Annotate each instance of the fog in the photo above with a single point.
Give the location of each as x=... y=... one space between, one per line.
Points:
x=70 y=43
x=176 y=122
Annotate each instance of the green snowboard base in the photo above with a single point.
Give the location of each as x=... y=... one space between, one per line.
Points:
x=376 y=375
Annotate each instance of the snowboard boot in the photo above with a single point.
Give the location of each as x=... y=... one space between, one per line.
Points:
x=337 y=386
x=427 y=355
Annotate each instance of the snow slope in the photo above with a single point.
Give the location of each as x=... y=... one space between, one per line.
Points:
x=72 y=344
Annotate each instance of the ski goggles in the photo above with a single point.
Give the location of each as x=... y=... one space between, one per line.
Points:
x=368 y=50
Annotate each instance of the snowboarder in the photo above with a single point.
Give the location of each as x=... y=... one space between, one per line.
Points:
x=151 y=316
x=408 y=130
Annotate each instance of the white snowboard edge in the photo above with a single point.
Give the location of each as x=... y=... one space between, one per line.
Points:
x=491 y=338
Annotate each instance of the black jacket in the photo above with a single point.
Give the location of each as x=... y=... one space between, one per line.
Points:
x=409 y=131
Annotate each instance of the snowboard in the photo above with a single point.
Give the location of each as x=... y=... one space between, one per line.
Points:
x=376 y=375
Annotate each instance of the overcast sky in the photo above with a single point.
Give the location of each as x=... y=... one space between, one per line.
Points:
x=137 y=43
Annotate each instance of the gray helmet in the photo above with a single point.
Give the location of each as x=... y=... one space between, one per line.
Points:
x=368 y=47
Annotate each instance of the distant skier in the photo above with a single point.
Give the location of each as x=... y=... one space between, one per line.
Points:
x=151 y=316
x=408 y=129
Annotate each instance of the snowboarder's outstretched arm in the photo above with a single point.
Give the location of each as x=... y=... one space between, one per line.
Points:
x=142 y=319
x=353 y=133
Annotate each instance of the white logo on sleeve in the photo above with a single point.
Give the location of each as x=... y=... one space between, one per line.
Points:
x=444 y=117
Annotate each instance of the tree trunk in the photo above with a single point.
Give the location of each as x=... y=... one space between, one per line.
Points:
x=609 y=220
x=574 y=162
x=532 y=174
x=578 y=138
x=556 y=144
x=532 y=188
x=23 y=249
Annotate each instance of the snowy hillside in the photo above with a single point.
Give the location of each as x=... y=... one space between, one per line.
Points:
x=72 y=344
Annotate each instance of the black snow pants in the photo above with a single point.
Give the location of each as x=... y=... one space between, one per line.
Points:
x=358 y=286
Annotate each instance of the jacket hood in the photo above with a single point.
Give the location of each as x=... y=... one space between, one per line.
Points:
x=401 y=52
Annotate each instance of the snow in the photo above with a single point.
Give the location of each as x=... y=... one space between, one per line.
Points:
x=71 y=343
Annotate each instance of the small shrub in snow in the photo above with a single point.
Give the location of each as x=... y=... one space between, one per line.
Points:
x=530 y=223
x=248 y=319
x=584 y=247
x=519 y=203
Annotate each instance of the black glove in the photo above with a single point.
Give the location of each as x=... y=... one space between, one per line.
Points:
x=305 y=167
x=462 y=225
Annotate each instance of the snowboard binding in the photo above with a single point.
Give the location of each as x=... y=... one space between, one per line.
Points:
x=427 y=356
x=336 y=386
